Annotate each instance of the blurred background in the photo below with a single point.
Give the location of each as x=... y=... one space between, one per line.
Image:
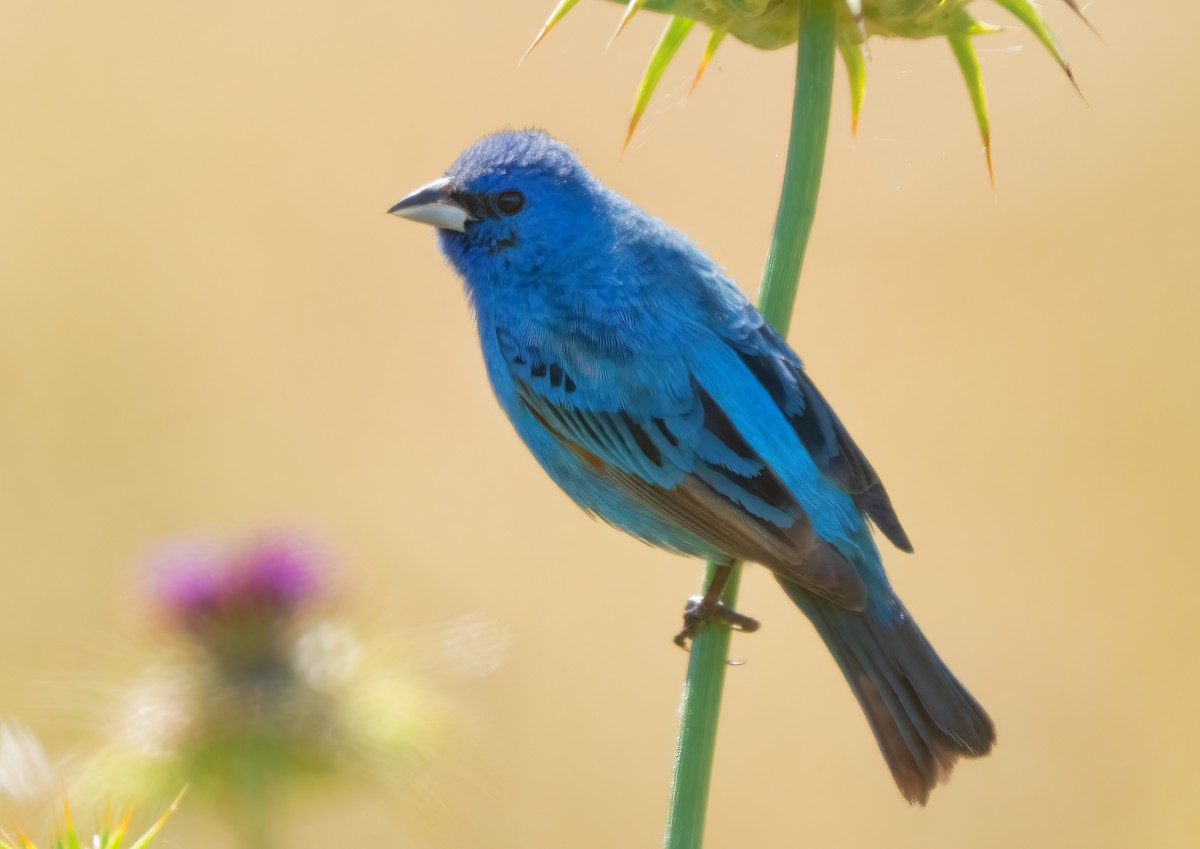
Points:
x=209 y=325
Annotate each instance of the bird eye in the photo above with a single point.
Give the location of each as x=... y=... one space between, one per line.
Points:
x=510 y=202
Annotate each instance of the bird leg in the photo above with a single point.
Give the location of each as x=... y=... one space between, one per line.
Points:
x=700 y=610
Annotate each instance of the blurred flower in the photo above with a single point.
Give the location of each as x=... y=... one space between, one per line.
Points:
x=253 y=694
x=770 y=24
x=239 y=607
x=110 y=836
x=199 y=583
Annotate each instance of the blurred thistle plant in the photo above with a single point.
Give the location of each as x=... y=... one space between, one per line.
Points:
x=239 y=609
x=255 y=696
x=110 y=836
x=771 y=24
x=820 y=29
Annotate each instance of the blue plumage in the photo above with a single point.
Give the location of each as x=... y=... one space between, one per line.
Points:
x=653 y=392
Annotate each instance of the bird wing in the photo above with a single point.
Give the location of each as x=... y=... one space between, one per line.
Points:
x=676 y=453
x=823 y=435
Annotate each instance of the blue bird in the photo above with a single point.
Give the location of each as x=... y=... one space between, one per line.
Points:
x=655 y=394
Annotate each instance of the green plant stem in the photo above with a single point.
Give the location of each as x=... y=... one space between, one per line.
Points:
x=805 y=160
x=701 y=702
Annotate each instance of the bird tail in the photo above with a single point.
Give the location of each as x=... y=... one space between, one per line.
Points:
x=923 y=718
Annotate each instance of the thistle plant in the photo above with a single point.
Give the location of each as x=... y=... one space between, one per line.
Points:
x=110 y=835
x=771 y=24
x=254 y=695
x=820 y=29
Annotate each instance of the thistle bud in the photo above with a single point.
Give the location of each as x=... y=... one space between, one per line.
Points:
x=771 y=24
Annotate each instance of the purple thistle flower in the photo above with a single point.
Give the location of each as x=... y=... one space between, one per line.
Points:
x=202 y=587
x=277 y=570
x=188 y=579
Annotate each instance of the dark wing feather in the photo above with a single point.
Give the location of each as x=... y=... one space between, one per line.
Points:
x=781 y=373
x=691 y=466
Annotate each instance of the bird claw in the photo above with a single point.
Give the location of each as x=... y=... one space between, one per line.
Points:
x=699 y=611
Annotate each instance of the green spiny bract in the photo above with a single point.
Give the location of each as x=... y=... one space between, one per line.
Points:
x=771 y=24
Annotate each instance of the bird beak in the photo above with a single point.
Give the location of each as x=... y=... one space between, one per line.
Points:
x=432 y=204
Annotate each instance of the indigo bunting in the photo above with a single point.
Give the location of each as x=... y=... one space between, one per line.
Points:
x=654 y=393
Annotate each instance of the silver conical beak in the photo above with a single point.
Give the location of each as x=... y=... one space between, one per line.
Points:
x=432 y=204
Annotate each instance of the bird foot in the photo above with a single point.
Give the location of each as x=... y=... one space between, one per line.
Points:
x=700 y=610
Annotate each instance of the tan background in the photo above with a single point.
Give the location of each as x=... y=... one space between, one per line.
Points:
x=208 y=324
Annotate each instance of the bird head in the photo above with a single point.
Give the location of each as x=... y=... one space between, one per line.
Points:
x=514 y=200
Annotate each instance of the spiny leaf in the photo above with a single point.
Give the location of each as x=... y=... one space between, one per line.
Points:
x=107 y=838
x=630 y=11
x=560 y=12
x=856 y=71
x=1027 y=13
x=714 y=41
x=8 y=843
x=981 y=28
x=1078 y=11
x=673 y=36
x=145 y=839
x=72 y=839
x=114 y=842
x=968 y=62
